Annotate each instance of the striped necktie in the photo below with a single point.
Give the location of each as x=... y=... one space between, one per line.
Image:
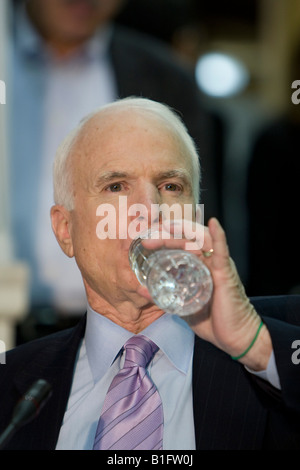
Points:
x=132 y=415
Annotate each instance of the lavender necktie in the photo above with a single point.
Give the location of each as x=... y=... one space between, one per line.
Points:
x=132 y=415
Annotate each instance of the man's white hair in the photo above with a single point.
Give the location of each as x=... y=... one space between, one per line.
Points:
x=62 y=170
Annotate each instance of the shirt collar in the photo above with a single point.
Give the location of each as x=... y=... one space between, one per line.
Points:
x=104 y=339
x=174 y=337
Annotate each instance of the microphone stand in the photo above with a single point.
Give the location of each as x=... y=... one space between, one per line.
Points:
x=26 y=409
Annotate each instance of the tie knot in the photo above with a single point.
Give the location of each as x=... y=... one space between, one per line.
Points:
x=139 y=351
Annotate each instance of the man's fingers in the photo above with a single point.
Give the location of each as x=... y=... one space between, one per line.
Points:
x=220 y=257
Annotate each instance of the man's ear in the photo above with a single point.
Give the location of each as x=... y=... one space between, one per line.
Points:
x=60 y=218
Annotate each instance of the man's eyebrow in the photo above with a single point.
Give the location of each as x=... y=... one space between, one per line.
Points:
x=178 y=173
x=110 y=176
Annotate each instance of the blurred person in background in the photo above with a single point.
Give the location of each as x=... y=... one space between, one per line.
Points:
x=68 y=58
x=273 y=196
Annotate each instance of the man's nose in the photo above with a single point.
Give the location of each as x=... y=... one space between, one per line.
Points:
x=149 y=199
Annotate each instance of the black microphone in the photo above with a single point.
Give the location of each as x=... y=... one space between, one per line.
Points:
x=27 y=408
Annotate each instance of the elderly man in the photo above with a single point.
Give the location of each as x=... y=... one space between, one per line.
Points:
x=70 y=58
x=221 y=379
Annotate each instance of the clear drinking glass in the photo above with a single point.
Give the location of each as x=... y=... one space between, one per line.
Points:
x=178 y=282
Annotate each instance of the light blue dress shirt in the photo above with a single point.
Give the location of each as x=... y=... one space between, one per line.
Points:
x=98 y=362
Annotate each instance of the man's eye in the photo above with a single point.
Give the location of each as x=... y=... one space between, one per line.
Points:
x=172 y=187
x=115 y=187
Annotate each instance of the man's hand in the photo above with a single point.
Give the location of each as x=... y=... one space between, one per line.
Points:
x=229 y=321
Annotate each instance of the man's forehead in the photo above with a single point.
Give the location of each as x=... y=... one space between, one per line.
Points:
x=98 y=146
x=114 y=119
x=102 y=133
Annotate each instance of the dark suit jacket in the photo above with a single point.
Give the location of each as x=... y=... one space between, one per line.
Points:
x=231 y=409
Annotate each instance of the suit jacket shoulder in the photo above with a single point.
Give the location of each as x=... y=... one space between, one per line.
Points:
x=149 y=59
